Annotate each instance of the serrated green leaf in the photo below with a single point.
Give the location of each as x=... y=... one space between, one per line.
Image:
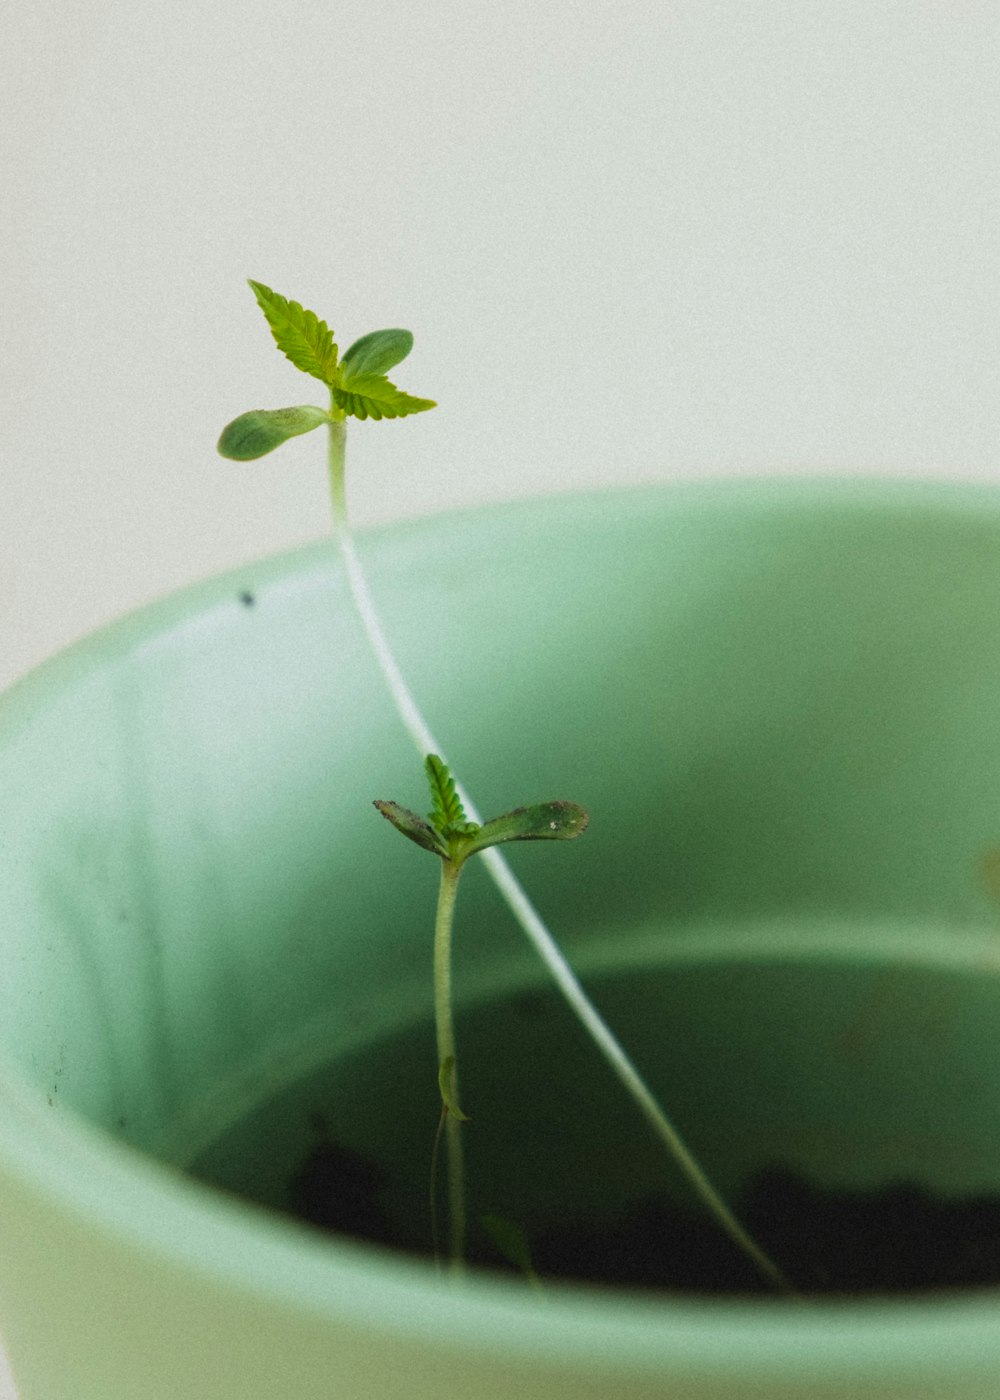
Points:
x=545 y=821
x=413 y=826
x=375 y=353
x=447 y=815
x=299 y=334
x=372 y=396
x=260 y=431
x=446 y=1084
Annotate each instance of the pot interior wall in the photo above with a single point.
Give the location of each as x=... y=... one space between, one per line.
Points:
x=850 y=1065
x=780 y=710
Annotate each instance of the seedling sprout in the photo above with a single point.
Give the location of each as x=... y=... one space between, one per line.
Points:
x=358 y=386
x=448 y=833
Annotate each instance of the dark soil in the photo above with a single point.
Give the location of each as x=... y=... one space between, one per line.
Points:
x=896 y=1240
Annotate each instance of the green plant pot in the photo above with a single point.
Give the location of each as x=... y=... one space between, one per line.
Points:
x=779 y=703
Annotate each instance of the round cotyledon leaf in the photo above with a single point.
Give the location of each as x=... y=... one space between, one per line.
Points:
x=260 y=431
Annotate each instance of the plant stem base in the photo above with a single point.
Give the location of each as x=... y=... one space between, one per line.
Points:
x=895 y=1240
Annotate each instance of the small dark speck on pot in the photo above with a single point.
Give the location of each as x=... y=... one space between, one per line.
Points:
x=247 y=599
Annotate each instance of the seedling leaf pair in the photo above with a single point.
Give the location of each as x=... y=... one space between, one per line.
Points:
x=448 y=834
x=357 y=382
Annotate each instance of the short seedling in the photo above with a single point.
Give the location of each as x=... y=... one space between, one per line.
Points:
x=448 y=833
x=358 y=387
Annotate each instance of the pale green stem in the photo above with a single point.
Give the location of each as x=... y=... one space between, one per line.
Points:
x=516 y=897
x=445 y=1027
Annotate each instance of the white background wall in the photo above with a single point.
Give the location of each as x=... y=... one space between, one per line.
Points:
x=634 y=241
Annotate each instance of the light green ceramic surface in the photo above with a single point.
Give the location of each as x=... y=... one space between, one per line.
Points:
x=781 y=704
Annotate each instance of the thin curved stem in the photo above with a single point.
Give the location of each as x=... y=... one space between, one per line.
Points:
x=517 y=898
x=444 y=1024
